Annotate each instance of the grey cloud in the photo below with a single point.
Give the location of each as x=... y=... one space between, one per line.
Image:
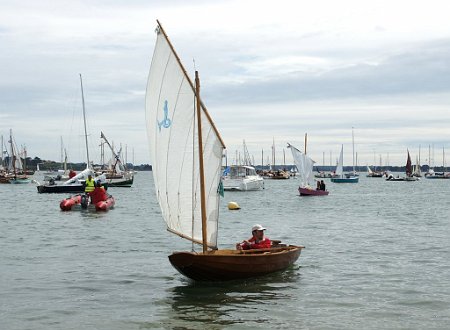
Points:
x=424 y=69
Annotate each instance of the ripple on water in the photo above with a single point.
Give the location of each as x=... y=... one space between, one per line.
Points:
x=376 y=257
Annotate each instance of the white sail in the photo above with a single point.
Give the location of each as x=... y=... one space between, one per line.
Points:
x=304 y=166
x=83 y=175
x=340 y=165
x=15 y=163
x=369 y=170
x=417 y=171
x=173 y=140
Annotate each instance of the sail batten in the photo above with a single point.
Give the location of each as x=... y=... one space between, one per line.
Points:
x=174 y=147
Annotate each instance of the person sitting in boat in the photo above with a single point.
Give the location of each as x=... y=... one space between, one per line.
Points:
x=257 y=241
x=98 y=194
x=89 y=184
x=322 y=185
x=72 y=173
x=318 y=185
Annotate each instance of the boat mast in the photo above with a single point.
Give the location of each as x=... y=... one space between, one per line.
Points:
x=306 y=141
x=1 y=154
x=61 y=139
x=200 y=158
x=273 y=154
x=419 y=155
x=262 y=159
x=13 y=155
x=353 y=147
x=84 y=119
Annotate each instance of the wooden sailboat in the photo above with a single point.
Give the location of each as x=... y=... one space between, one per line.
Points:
x=305 y=168
x=16 y=167
x=186 y=152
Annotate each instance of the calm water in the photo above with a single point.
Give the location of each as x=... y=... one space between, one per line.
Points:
x=377 y=256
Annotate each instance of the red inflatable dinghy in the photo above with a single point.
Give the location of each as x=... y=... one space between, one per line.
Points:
x=68 y=203
x=105 y=205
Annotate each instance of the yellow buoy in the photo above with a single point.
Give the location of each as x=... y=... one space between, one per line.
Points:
x=233 y=206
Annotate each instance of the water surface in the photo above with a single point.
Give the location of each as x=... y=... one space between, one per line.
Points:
x=377 y=256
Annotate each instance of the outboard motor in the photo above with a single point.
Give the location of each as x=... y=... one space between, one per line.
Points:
x=84 y=201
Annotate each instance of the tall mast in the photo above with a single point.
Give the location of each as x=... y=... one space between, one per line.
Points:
x=353 y=147
x=200 y=158
x=419 y=154
x=262 y=159
x=306 y=141
x=432 y=156
x=13 y=155
x=61 y=150
x=84 y=119
x=273 y=153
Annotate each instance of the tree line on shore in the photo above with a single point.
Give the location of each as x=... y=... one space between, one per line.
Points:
x=49 y=165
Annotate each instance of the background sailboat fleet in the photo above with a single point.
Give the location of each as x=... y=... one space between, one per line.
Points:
x=111 y=173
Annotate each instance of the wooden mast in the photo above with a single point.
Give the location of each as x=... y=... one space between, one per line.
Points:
x=200 y=158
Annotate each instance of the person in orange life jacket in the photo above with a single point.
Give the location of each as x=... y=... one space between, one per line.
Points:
x=257 y=241
x=98 y=194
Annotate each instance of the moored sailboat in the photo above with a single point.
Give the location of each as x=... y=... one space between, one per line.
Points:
x=373 y=174
x=186 y=152
x=340 y=176
x=305 y=168
x=408 y=172
x=75 y=184
x=16 y=167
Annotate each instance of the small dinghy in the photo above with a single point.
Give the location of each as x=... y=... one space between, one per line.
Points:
x=82 y=201
x=105 y=205
x=68 y=203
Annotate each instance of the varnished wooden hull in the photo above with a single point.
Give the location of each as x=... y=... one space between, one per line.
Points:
x=225 y=265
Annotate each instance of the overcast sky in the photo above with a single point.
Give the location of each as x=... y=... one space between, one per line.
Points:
x=268 y=69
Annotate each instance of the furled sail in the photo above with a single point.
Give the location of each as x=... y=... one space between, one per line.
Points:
x=304 y=166
x=173 y=140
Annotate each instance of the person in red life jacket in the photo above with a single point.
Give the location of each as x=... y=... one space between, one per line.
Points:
x=72 y=173
x=257 y=241
x=98 y=194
